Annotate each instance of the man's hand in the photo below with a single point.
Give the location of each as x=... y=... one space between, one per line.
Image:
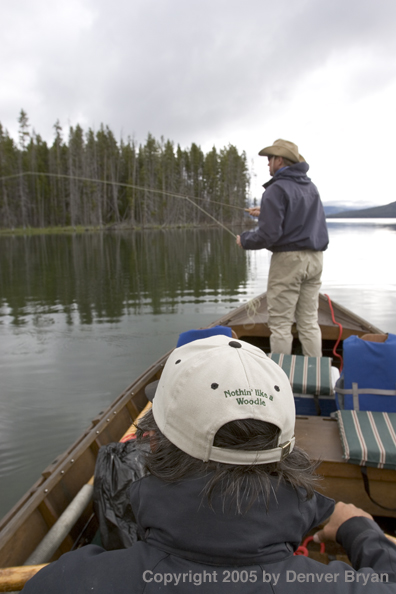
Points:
x=342 y=513
x=238 y=240
x=254 y=211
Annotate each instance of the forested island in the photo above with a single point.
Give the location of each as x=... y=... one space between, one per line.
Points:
x=93 y=180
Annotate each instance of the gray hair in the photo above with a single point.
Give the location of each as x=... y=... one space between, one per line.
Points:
x=239 y=485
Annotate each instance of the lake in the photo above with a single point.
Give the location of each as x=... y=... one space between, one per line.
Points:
x=82 y=315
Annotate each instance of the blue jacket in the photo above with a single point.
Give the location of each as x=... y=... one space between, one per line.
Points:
x=187 y=547
x=291 y=217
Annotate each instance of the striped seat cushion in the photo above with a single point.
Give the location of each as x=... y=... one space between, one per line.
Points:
x=307 y=375
x=368 y=438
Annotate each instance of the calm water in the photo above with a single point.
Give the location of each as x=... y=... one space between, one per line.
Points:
x=81 y=316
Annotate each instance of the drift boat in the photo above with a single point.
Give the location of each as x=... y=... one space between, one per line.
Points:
x=58 y=507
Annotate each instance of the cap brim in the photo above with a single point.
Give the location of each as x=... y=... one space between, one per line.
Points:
x=150 y=390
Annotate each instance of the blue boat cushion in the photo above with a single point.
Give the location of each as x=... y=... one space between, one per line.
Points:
x=313 y=405
x=368 y=438
x=307 y=375
x=191 y=335
x=369 y=374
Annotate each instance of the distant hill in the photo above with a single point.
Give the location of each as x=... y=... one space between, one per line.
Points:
x=388 y=211
x=331 y=210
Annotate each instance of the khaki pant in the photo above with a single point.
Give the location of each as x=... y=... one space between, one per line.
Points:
x=293 y=294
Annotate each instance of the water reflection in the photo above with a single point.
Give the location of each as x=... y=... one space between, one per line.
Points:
x=105 y=276
x=81 y=316
x=359 y=223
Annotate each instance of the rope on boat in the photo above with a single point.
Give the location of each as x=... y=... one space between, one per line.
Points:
x=303 y=548
x=339 y=333
x=363 y=471
x=191 y=199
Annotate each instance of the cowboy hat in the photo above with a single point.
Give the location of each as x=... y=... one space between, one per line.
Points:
x=283 y=148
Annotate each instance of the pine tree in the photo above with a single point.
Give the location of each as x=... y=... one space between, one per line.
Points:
x=81 y=181
x=24 y=136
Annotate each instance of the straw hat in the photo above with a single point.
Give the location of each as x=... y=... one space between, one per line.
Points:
x=283 y=148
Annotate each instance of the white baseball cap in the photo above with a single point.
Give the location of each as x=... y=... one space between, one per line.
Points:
x=210 y=382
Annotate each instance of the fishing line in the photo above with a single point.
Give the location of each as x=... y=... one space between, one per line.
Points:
x=209 y=215
x=164 y=192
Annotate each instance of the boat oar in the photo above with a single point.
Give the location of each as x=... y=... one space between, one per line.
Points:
x=14 y=578
x=57 y=533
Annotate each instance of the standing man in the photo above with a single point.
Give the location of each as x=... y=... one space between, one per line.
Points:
x=292 y=225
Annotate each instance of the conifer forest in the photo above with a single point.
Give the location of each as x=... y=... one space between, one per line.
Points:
x=91 y=179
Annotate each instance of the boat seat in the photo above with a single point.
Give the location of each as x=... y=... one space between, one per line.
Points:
x=368 y=438
x=312 y=380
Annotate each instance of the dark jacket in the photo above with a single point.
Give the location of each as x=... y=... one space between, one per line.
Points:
x=291 y=216
x=188 y=547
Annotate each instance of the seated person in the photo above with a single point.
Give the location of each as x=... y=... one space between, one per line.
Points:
x=228 y=497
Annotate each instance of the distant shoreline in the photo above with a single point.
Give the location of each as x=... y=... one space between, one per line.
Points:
x=81 y=229
x=359 y=218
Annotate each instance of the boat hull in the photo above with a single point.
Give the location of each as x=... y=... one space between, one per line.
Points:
x=23 y=528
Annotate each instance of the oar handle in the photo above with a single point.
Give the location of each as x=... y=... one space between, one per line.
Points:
x=14 y=578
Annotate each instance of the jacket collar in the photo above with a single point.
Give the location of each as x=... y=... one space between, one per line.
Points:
x=176 y=518
x=296 y=172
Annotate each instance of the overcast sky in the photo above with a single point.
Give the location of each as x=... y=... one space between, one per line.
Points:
x=321 y=73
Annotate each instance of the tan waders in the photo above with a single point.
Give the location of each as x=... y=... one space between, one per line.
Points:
x=293 y=291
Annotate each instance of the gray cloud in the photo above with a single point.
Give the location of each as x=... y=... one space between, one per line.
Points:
x=186 y=70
